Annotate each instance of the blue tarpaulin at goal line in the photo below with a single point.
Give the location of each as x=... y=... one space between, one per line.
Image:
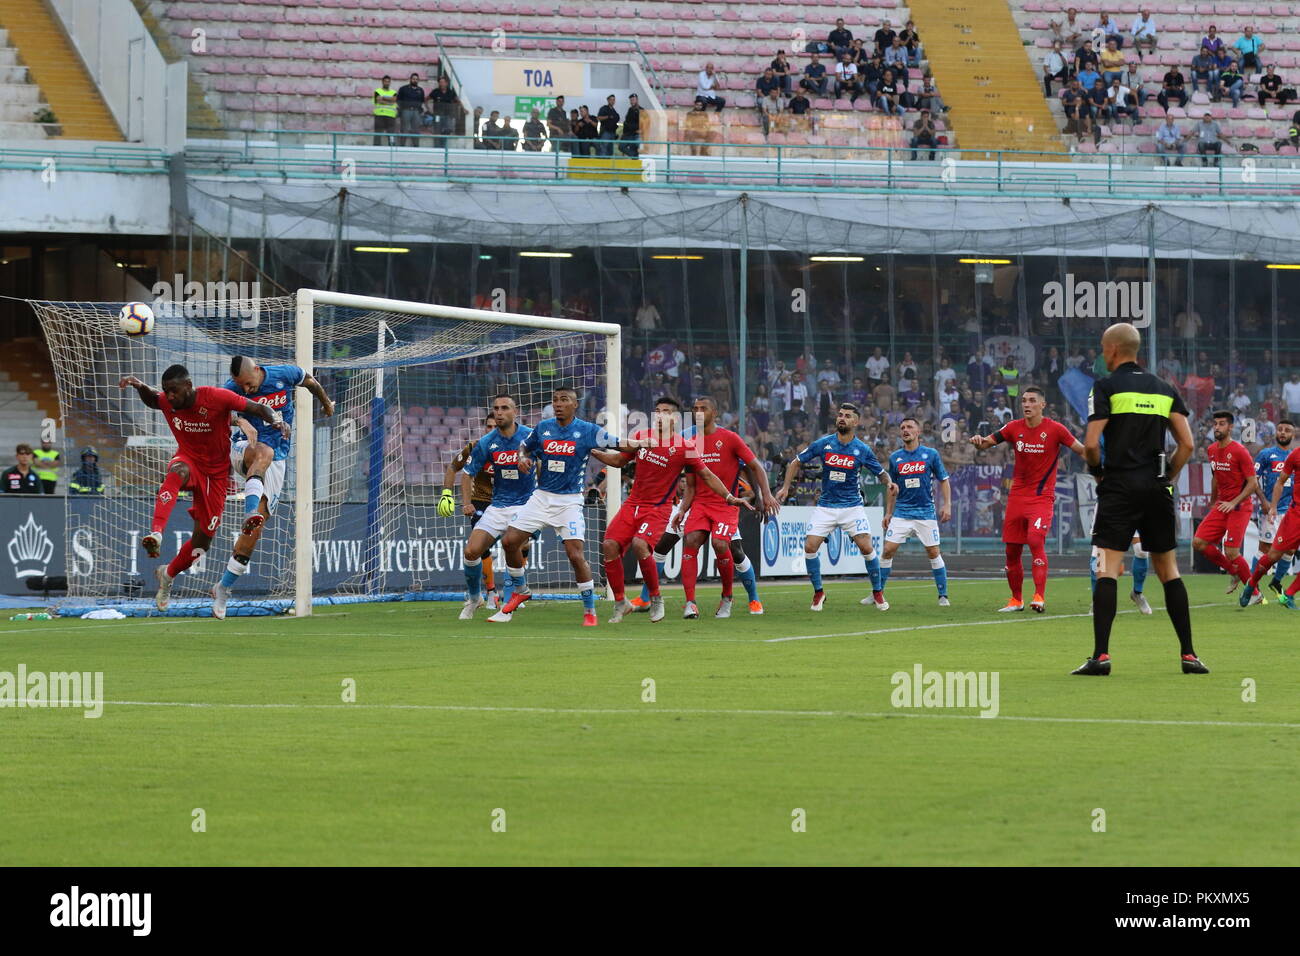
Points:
x=270 y=606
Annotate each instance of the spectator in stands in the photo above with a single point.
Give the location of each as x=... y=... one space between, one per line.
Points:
x=860 y=53
x=1078 y=113
x=1000 y=411
x=1239 y=401
x=912 y=41
x=884 y=396
x=770 y=108
x=1171 y=87
x=1098 y=98
x=1231 y=84
x=585 y=131
x=1206 y=67
x=607 y=118
x=909 y=391
x=1055 y=67
x=1291 y=395
x=888 y=94
x=923 y=133
x=872 y=76
x=1120 y=102
x=1113 y=64
x=1212 y=40
x=767 y=82
x=492 y=131
x=884 y=38
x=1169 y=138
x=444 y=105
x=896 y=57
x=534 y=133
x=410 y=104
x=847 y=82
x=557 y=126
x=509 y=136
x=877 y=368
x=385 y=106
x=799 y=104
x=1085 y=58
x=1169 y=367
x=858 y=393
x=1087 y=77
x=1270 y=86
x=21 y=479
x=707 y=87
x=631 y=144
x=1070 y=30
x=795 y=394
x=927 y=98
x=1248 y=47
x=840 y=40
x=825 y=406
x=814 y=77
x=87 y=480
x=1105 y=31
x=784 y=72
x=907 y=365
x=1143 y=32
x=46 y=460
x=1208 y=140
x=1224 y=58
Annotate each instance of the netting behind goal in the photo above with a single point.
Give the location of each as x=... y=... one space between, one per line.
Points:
x=410 y=390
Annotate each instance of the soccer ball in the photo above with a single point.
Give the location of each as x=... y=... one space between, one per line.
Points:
x=136 y=318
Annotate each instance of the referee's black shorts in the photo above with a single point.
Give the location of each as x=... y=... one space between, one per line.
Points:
x=1129 y=504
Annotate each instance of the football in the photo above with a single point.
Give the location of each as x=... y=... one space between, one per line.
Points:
x=136 y=318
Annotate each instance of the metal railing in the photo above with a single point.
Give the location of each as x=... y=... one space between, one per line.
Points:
x=109 y=158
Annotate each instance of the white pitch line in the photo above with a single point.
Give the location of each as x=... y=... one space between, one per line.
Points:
x=701 y=712
x=1018 y=619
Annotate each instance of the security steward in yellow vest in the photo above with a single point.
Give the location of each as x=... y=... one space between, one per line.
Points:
x=46 y=461
x=385 y=100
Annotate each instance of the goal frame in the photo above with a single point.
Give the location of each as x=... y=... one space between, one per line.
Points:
x=304 y=439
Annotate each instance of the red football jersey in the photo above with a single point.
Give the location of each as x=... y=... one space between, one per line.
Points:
x=1291 y=466
x=657 y=470
x=203 y=430
x=724 y=453
x=1232 y=466
x=1037 y=450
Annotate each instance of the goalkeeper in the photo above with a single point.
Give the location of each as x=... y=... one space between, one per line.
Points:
x=477 y=495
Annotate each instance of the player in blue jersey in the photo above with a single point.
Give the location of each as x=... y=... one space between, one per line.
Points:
x=260 y=455
x=1268 y=465
x=499 y=451
x=842 y=456
x=556 y=451
x=914 y=469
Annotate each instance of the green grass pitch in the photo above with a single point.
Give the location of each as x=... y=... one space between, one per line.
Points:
x=546 y=721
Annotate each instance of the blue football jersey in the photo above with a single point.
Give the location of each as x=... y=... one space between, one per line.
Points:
x=276 y=391
x=510 y=486
x=560 y=453
x=915 y=473
x=841 y=463
x=1268 y=465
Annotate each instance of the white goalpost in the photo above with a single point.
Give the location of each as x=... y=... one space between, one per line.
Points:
x=411 y=383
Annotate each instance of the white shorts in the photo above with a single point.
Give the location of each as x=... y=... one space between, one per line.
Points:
x=272 y=481
x=545 y=509
x=852 y=521
x=925 y=529
x=496 y=518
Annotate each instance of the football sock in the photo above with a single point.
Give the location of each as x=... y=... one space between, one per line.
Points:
x=727 y=572
x=1176 y=605
x=1103 y=614
x=940 y=572
x=234 y=568
x=690 y=572
x=873 y=570
x=886 y=566
x=588 y=592
x=1240 y=568
x=473 y=578
x=1140 y=567
x=1218 y=557
x=1293 y=587
x=814 y=565
x=1262 y=564
x=185 y=557
x=517 y=580
x=650 y=570
x=1280 y=569
x=1015 y=573
x=745 y=571
x=614 y=575
x=1254 y=563
x=253 y=491
x=165 y=501
x=1039 y=566
x=488 y=581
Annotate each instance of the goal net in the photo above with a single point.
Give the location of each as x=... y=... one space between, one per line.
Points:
x=357 y=518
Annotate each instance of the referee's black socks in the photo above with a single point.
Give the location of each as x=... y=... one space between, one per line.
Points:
x=1103 y=614
x=1179 y=613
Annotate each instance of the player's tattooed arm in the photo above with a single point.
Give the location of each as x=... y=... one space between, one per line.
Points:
x=147 y=394
x=318 y=393
x=791 y=472
x=267 y=414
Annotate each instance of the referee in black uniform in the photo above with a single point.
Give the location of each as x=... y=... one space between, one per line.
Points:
x=1130 y=411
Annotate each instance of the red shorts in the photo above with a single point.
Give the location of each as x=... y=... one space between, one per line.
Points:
x=209 y=494
x=1287 y=537
x=1230 y=528
x=647 y=522
x=1027 y=517
x=718 y=519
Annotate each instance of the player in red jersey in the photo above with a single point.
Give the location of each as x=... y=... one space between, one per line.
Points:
x=1032 y=498
x=1234 y=487
x=662 y=455
x=200 y=420
x=724 y=453
x=1285 y=539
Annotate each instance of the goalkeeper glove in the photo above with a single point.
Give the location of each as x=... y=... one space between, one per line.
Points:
x=447 y=503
